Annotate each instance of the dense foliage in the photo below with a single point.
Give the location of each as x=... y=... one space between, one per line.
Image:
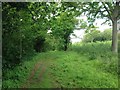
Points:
x=26 y=26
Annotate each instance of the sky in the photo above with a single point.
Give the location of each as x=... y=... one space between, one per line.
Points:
x=80 y=33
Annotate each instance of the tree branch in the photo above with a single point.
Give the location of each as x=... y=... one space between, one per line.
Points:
x=107 y=11
x=32 y=16
x=118 y=8
x=111 y=7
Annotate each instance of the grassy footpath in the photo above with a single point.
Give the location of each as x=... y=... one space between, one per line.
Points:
x=83 y=66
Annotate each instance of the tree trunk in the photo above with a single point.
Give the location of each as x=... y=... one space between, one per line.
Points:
x=65 y=44
x=114 y=36
x=114 y=31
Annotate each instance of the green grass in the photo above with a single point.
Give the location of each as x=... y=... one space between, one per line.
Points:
x=119 y=56
x=89 y=65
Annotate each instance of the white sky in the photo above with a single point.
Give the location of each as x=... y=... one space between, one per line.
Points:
x=80 y=33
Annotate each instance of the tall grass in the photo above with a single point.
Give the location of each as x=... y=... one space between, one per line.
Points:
x=98 y=51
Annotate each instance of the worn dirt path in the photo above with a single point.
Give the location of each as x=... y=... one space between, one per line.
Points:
x=39 y=65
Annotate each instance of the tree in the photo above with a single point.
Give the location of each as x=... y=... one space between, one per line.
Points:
x=10 y=35
x=23 y=28
x=108 y=10
x=62 y=22
x=96 y=35
x=39 y=12
x=61 y=27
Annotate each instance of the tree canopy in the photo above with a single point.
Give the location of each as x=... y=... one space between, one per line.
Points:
x=26 y=26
